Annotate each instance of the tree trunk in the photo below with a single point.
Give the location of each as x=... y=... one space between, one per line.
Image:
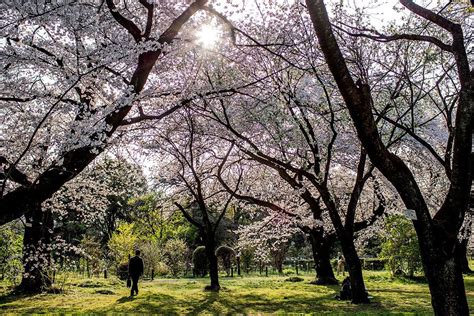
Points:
x=213 y=264
x=443 y=270
x=446 y=284
x=279 y=266
x=238 y=265
x=321 y=249
x=461 y=253
x=36 y=257
x=359 y=294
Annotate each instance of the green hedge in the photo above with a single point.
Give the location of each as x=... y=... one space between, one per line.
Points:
x=375 y=264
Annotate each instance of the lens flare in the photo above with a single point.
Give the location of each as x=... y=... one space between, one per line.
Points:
x=207 y=36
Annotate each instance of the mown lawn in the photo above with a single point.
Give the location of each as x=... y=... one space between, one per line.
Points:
x=247 y=295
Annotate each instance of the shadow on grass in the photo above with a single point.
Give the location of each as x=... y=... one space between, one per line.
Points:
x=253 y=297
x=402 y=291
x=125 y=299
x=206 y=303
x=235 y=303
x=12 y=297
x=417 y=279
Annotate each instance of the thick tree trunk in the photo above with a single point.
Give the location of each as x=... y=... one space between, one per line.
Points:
x=443 y=270
x=321 y=249
x=213 y=264
x=446 y=284
x=36 y=257
x=359 y=294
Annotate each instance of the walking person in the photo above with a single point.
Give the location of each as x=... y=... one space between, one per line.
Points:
x=135 y=270
x=341 y=265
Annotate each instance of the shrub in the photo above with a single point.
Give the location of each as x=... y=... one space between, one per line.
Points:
x=122 y=271
x=400 y=246
x=151 y=253
x=123 y=241
x=374 y=263
x=200 y=261
x=174 y=254
x=162 y=269
x=94 y=256
x=226 y=254
x=11 y=245
x=246 y=258
x=289 y=271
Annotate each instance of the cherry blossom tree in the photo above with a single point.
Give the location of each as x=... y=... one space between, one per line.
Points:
x=305 y=141
x=95 y=199
x=437 y=233
x=189 y=175
x=73 y=72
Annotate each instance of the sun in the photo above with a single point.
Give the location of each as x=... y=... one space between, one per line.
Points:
x=207 y=36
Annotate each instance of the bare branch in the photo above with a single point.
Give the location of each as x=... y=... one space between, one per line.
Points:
x=431 y=16
x=149 y=22
x=379 y=37
x=131 y=27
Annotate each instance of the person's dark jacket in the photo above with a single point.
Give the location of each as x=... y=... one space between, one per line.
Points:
x=135 y=267
x=346 y=292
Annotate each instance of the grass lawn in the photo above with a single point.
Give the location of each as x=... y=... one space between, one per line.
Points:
x=247 y=295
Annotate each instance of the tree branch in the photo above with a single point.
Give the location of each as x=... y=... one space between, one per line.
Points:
x=187 y=216
x=131 y=27
x=395 y=37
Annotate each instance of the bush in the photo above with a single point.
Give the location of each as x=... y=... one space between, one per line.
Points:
x=174 y=254
x=246 y=258
x=162 y=269
x=376 y=264
x=11 y=245
x=400 y=246
x=93 y=260
x=289 y=271
x=226 y=254
x=200 y=261
x=123 y=241
x=151 y=253
x=122 y=271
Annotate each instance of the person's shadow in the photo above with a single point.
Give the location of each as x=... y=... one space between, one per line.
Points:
x=125 y=299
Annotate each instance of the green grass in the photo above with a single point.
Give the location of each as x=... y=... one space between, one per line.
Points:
x=247 y=295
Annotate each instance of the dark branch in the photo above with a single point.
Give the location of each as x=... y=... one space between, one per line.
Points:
x=131 y=27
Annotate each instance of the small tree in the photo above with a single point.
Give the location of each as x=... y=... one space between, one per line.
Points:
x=174 y=254
x=226 y=254
x=93 y=254
x=152 y=255
x=122 y=242
x=400 y=246
x=200 y=261
x=246 y=257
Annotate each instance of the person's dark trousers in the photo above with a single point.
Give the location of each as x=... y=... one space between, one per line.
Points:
x=134 y=285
